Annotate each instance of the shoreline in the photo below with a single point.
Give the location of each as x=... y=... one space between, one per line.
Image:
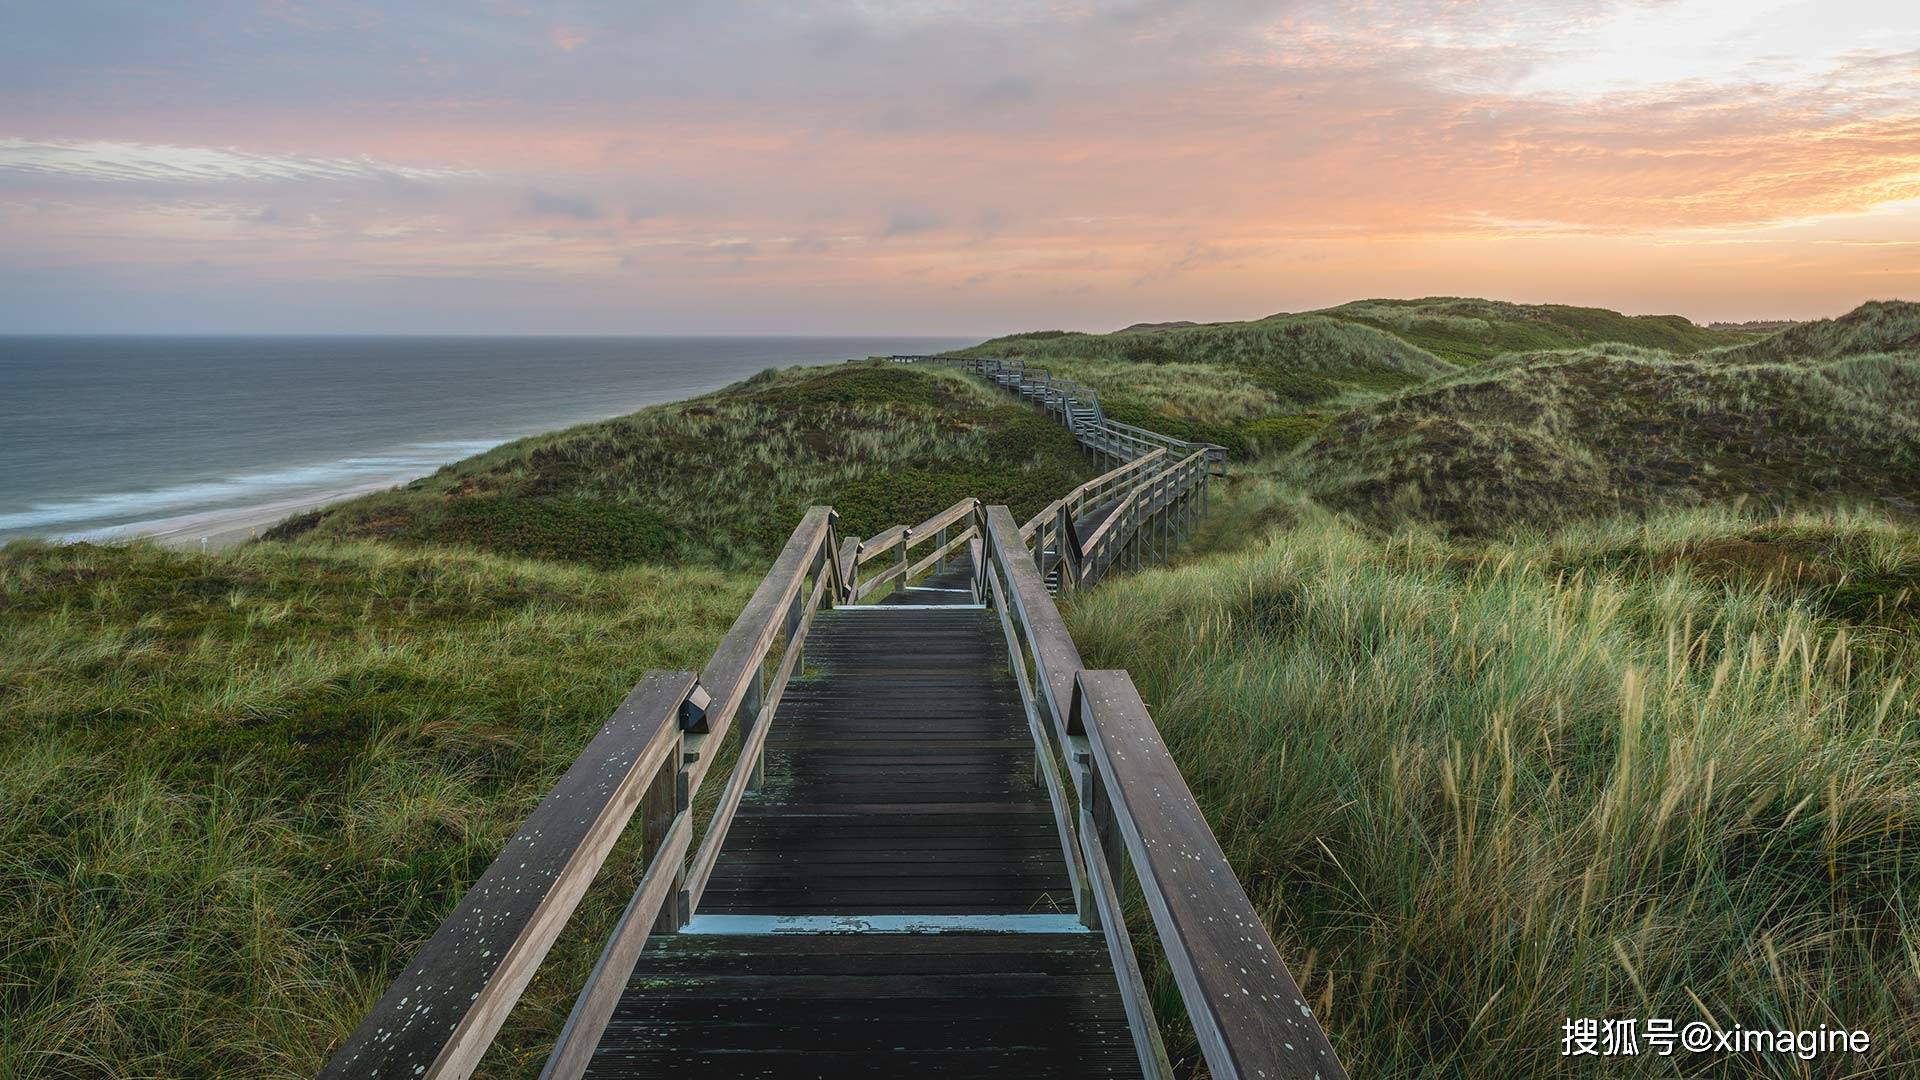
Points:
x=226 y=527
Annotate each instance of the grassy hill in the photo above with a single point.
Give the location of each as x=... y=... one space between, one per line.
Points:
x=1648 y=762
x=1243 y=385
x=1823 y=413
x=721 y=479
x=1264 y=385
x=1623 y=760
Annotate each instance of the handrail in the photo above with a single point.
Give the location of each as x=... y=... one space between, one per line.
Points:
x=902 y=539
x=1104 y=483
x=441 y=1014
x=1248 y=1015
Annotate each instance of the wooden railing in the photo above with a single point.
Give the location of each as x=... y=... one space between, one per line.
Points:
x=1122 y=806
x=443 y=1011
x=1134 y=811
x=1076 y=406
x=940 y=530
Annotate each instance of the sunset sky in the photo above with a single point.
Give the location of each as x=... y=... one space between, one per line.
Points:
x=942 y=167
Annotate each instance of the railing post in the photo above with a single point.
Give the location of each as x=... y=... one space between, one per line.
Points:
x=676 y=794
x=900 y=583
x=1069 y=566
x=749 y=717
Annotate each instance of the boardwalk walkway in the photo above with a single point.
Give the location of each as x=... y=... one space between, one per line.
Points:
x=900 y=782
x=893 y=828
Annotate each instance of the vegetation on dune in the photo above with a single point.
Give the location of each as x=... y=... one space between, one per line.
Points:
x=1654 y=769
x=1880 y=326
x=1817 y=415
x=241 y=789
x=1469 y=331
x=1229 y=382
x=722 y=479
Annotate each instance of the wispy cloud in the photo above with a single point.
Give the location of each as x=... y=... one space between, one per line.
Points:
x=160 y=163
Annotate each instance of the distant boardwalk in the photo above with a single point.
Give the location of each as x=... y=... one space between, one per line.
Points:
x=917 y=858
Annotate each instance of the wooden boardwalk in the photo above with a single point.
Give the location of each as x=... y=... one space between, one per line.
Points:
x=894 y=827
x=900 y=782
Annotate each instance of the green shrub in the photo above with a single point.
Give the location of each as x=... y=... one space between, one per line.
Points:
x=603 y=534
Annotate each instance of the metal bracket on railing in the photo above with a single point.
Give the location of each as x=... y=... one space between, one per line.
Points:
x=693 y=711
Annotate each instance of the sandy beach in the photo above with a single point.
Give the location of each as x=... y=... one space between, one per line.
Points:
x=230 y=526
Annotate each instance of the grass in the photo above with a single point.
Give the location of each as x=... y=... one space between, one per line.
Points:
x=1629 y=769
x=238 y=791
x=720 y=480
x=1824 y=413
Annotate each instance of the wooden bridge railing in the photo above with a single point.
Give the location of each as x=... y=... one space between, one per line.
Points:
x=1076 y=406
x=1134 y=811
x=900 y=540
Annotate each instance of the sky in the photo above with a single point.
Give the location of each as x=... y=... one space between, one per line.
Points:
x=932 y=167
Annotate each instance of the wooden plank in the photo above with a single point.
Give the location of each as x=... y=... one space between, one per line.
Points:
x=940 y=552
x=1108 y=915
x=439 y=1016
x=879 y=544
x=1043 y=743
x=1248 y=1015
x=886 y=1005
x=962 y=509
x=908 y=737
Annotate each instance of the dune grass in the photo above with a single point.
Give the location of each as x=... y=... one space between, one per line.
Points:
x=1635 y=769
x=721 y=479
x=1831 y=415
x=238 y=791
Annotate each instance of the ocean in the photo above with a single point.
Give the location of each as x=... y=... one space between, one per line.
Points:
x=107 y=437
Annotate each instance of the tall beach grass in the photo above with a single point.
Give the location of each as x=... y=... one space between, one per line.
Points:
x=1660 y=769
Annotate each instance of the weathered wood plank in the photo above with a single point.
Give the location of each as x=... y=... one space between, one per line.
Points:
x=1058 y=658
x=1248 y=1015
x=1016 y=1005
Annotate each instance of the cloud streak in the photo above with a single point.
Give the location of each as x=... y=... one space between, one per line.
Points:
x=117 y=162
